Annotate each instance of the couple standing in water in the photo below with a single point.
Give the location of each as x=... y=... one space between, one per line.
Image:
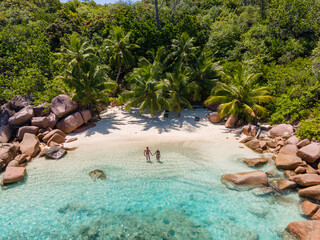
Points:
x=147 y=154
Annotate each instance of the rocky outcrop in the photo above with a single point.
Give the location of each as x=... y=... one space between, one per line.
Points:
x=300 y=170
x=310 y=192
x=97 y=174
x=303 y=143
x=254 y=145
x=231 y=121
x=309 y=153
x=70 y=123
x=84 y=127
x=54 y=152
x=13 y=175
x=249 y=130
x=303 y=230
x=53 y=119
x=57 y=138
x=306 y=180
x=30 y=145
x=281 y=184
x=287 y=162
x=86 y=115
x=292 y=140
x=5 y=134
x=27 y=129
x=281 y=130
x=53 y=132
x=316 y=216
x=247 y=178
x=255 y=162
x=289 y=149
x=21 y=117
x=309 y=208
x=8 y=152
x=62 y=104
x=214 y=117
x=41 y=122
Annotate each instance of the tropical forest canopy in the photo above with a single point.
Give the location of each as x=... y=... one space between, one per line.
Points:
x=259 y=58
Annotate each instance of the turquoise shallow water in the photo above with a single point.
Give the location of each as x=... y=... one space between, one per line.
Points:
x=180 y=198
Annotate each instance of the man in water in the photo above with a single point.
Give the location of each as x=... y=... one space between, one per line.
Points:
x=147 y=154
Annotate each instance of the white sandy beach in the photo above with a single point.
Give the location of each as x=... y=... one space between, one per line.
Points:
x=118 y=126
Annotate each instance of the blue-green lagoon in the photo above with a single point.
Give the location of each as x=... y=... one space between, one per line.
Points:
x=180 y=198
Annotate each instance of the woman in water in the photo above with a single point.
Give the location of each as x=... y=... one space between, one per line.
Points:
x=157 y=153
x=147 y=153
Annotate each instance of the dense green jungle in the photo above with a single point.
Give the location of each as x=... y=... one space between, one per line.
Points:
x=260 y=59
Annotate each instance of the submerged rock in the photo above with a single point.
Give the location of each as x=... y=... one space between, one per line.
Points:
x=97 y=174
x=255 y=162
x=54 y=152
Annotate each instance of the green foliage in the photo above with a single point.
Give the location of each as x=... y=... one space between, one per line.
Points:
x=296 y=88
x=239 y=95
x=309 y=128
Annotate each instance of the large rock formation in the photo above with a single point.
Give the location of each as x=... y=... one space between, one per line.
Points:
x=27 y=129
x=214 y=117
x=309 y=153
x=86 y=115
x=255 y=162
x=62 y=104
x=30 y=145
x=13 y=175
x=303 y=143
x=254 y=145
x=21 y=117
x=303 y=230
x=281 y=130
x=5 y=134
x=54 y=152
x=288 y=162
x=292 y=140
x=41 y=122
x=53 y=119
x=247 y=178
x=70 y=123
x=306 y=180
x=289 y=149
x=231 y=121
x=53 y=132
x=309 y=208
x=310 y=192
x=249 y=130
x=8 y=152
x=281 y=184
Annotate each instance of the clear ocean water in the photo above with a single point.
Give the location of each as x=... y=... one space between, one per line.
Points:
x=180 y=198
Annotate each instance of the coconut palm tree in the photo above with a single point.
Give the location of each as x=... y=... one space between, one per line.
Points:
x=77 y=52
x=174 y=88
x=203 y=74
x=119 y=48
x=90 y=85
x=144 y=90
x=239 y=95
x=183 y=49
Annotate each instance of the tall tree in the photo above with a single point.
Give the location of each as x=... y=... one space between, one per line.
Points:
x=239 y=95
x=119 y=48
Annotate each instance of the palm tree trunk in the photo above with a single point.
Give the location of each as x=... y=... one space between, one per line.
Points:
x=118 y=74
